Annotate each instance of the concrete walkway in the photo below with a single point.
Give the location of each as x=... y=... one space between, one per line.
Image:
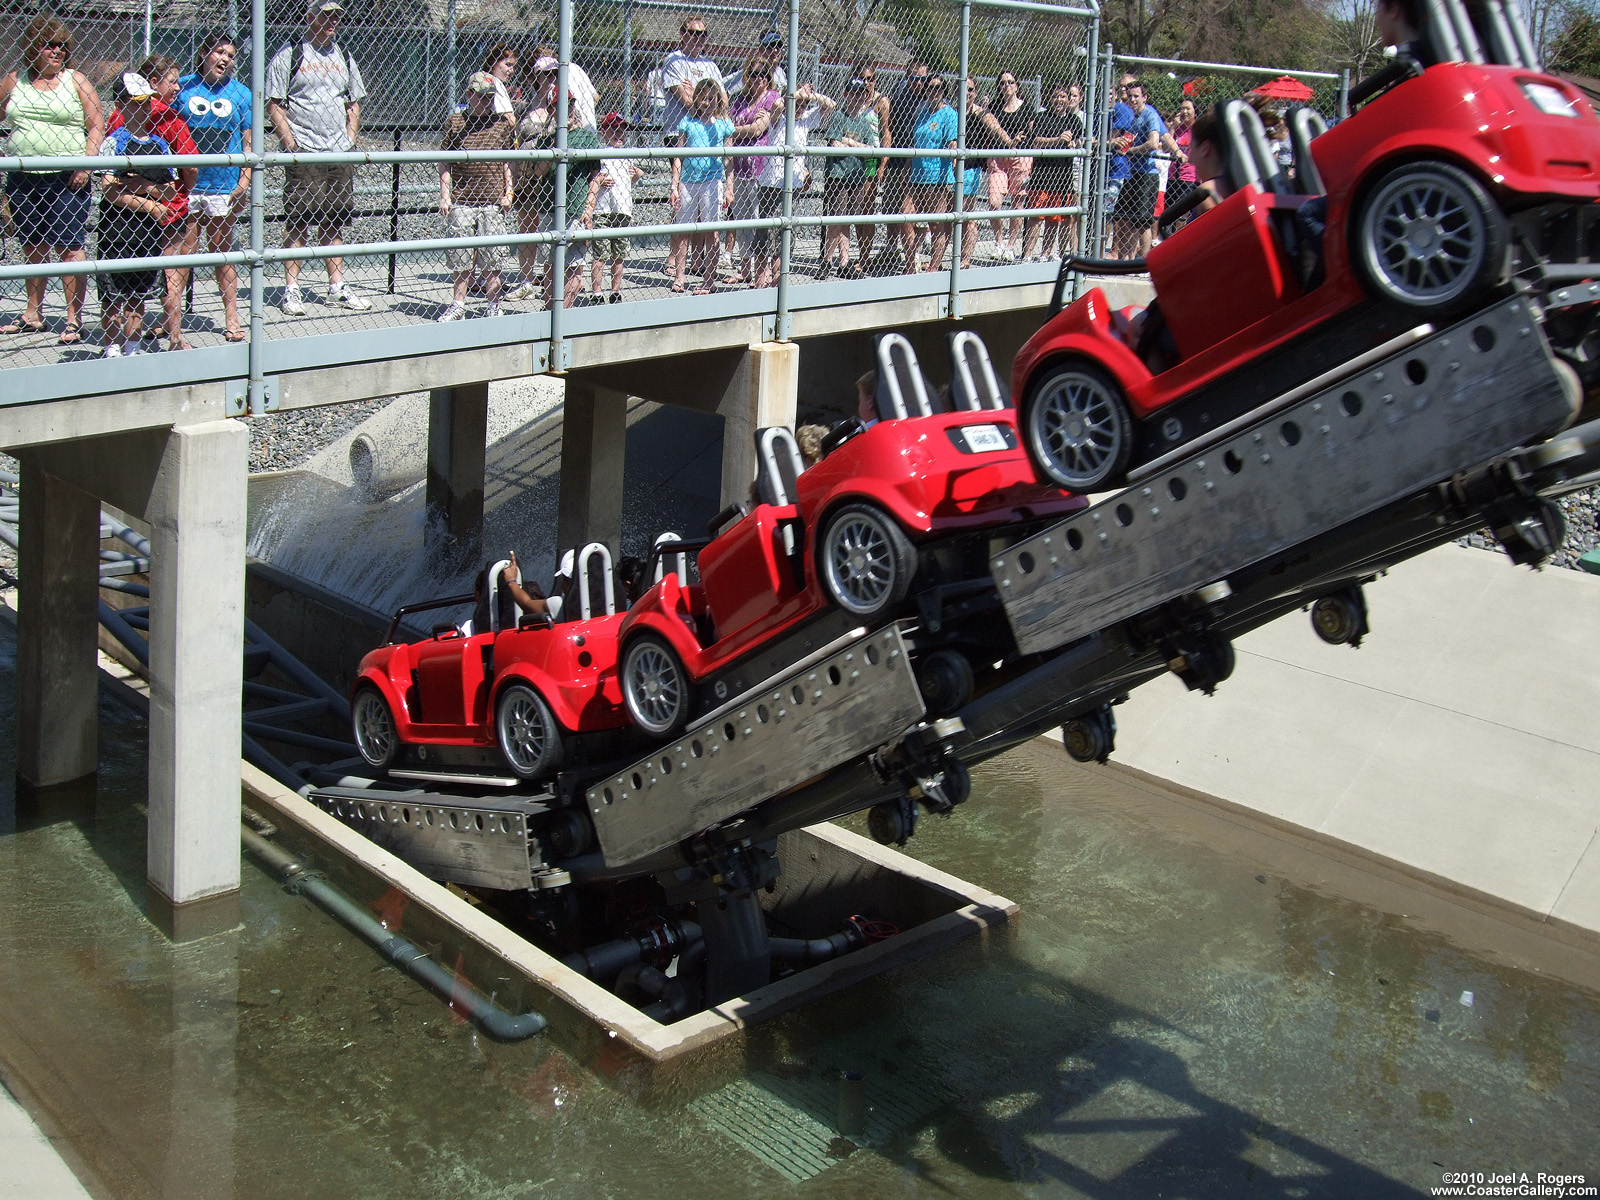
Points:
x=32 y=1168
x=1459 y=743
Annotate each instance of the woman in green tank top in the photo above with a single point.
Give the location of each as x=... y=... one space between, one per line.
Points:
x=54 y=113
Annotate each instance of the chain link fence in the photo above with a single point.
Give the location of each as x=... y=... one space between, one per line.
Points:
x=408 y=173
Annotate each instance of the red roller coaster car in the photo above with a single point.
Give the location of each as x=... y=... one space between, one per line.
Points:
x=909 y=505
x=513 y=695
x=1445 y=189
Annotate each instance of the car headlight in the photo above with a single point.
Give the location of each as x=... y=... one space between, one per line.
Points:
x=1547 y=99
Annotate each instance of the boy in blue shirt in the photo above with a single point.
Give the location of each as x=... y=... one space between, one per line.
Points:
x=1136 y=203
x=133 y=211
x=217 y=109
x=697 y=180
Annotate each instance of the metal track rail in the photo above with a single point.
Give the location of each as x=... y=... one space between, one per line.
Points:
x=798 y=726
x=1458 y=398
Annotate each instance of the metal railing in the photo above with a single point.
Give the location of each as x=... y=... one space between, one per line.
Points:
x=982 y=39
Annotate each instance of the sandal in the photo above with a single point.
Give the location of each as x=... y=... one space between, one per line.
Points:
x=22 y=325
x=678 y=288
x=71 y=335
x=234 y=335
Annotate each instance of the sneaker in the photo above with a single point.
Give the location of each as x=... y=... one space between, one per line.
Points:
x=523 y=291
x=456 y=312
x=111 y=351
x=825 y=269
x=292 y=304
x=129 y=349
x=344 y=296
x=616 y=298
x=492 y=309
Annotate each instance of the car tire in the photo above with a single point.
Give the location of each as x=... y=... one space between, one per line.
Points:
x=1077 y=428
x=529 y=737
x=866 y=561
x=1429 y=238
x=372 y=726
x=655 y=685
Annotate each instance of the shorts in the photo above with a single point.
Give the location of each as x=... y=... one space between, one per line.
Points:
x=930 y=197
x=611 y=249
x=319 y=194
x=699 y=203
x=770 y=201
x=893 y=179
x=126 y=234
x=1136 y=204
x=843 y=197
x=1008 y=176
x=476 y=220
x=1049 y=200
x=210 y=204
x=746 y=206
x=48 y=210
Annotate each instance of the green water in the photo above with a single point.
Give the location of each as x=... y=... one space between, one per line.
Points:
x=1177 y=1013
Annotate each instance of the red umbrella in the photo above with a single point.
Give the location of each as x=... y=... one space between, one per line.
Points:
x=1284 y=87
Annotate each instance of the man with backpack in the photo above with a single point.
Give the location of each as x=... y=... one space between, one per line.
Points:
x=314 y=94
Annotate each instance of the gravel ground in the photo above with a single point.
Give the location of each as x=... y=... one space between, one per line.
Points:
x=1582 y=511
x=283 y=441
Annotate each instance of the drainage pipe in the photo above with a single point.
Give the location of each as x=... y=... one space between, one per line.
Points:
x=606 y=960
x=810 y=951
x=298 y=879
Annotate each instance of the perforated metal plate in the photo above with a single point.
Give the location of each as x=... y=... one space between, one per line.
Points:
x=789 y=1121
x=483 y=843
x=800 y=726
x=1457 y=399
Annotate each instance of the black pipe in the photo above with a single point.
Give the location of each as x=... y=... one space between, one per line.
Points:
x=808 y=952
x=298 y=879
x=607 y=960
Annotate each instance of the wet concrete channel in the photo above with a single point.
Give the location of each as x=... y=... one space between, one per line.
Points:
x=1187 y=1006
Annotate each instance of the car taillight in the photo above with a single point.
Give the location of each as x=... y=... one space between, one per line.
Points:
x=1548 y=99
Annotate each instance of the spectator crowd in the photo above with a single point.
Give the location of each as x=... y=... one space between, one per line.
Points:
x=881 y=213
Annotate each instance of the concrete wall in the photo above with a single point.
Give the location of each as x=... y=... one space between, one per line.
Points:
x=1460 y=742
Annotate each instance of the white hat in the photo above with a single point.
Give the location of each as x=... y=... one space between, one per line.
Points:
x=133 y=86
x=567 y=561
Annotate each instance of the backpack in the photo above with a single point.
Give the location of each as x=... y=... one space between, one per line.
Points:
x=297 y=58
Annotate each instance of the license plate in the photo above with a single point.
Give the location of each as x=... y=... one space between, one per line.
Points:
x=983 y=438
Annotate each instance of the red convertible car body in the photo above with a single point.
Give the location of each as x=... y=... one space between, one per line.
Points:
x=913 y=504
x=1435 y=194
x=505 y=697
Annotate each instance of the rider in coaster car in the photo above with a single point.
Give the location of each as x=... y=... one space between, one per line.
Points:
x=528 y=601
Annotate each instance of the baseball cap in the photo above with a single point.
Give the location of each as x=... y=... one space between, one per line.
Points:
x=547 y=63
x=482 y=83
x=772 y=38
x=614 y=120
x=332 y=6
x=856 y=84
x=131 y=85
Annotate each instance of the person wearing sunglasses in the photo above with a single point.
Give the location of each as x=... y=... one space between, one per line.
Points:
x=54 y=112
x=1008 y=176
x=905 y=108
x=932 y=180
x=877 y=107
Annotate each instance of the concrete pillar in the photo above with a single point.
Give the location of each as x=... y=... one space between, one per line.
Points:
x=196 y=512
x=763 y=392
x=57 y=630
x=458 y=425
x=594 y=434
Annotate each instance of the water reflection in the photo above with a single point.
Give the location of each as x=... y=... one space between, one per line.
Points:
x=1166 y=1017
